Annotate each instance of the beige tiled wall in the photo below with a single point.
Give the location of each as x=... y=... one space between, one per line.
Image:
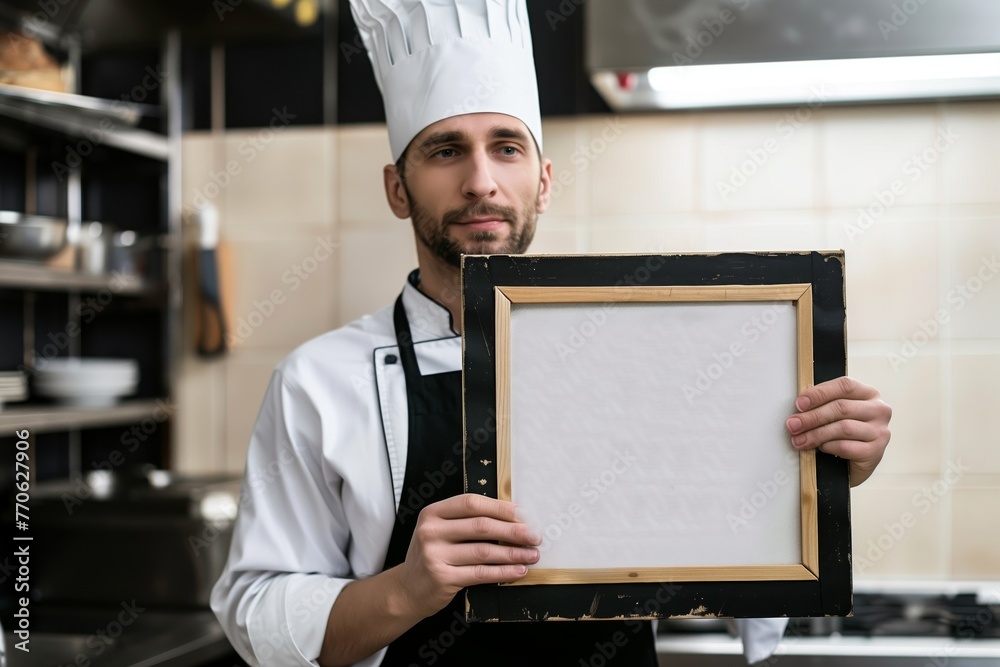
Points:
x=277 y=215
x=765 y=180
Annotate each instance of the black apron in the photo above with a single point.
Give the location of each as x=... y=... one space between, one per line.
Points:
x=434 y=405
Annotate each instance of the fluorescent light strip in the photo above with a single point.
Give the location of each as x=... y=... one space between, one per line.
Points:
x=827 y=80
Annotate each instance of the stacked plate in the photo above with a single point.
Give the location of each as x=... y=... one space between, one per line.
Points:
x=13 y=387
x=87 y=383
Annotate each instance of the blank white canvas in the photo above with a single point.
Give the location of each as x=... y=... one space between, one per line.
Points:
x=639 y=438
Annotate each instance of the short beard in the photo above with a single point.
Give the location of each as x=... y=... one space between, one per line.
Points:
x=434 y=234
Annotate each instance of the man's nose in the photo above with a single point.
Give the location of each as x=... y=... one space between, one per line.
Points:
x=479 y=179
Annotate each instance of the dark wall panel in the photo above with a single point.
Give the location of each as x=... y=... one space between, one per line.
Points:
x=285 y=76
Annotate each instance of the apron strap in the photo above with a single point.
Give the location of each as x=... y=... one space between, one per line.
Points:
x=404 y=339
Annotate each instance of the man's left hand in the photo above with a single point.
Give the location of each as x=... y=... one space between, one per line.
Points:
x=845 y=418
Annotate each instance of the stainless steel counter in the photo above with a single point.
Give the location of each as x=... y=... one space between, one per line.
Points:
x=724 y=651
x=949 y=623
x=151 y=639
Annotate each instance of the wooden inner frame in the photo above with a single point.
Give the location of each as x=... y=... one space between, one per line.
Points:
x=799 y=294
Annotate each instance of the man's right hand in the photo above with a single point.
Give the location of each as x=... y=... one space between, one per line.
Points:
x=453 y=547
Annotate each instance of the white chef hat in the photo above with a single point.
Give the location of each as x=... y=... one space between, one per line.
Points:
x=435 y=59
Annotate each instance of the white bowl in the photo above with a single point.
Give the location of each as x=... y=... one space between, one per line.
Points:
x=89 y=398
x=71 y=387
x=61 y=394
x=87 y=382
x=78 y=367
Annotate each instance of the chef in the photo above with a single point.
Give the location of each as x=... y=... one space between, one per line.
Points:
x=354 y=537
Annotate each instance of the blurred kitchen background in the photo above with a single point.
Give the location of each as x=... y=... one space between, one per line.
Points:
x=130 y=131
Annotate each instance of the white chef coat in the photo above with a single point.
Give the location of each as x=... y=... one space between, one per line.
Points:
x=323 y=480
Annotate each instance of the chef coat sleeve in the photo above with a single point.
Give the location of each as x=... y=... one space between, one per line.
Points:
x=288 y=558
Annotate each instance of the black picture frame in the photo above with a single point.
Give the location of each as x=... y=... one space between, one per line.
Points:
x=829 y=594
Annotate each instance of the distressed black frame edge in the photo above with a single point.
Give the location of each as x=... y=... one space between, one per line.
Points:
x=830 y=595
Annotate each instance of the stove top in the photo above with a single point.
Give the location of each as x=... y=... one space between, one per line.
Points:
x=908 y=615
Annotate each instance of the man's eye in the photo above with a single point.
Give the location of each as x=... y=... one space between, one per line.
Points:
x=446 y=152
x=509 y=150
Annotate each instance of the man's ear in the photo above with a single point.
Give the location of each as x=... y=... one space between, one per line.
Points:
x=395 y=192
x=545 y=186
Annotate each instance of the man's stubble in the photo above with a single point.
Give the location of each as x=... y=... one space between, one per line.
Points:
x=434 y=233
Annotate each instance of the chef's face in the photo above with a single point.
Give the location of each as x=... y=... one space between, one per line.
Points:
x=472 y=184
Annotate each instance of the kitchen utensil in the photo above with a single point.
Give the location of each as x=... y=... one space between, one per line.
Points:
x=94 y=240
x=30 y=236
x=212 y=330
x=131 y=254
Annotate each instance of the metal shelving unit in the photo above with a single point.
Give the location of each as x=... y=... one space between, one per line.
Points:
x=78 y=117
x=51 y=418
x=84 y=117
x=22 y=275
